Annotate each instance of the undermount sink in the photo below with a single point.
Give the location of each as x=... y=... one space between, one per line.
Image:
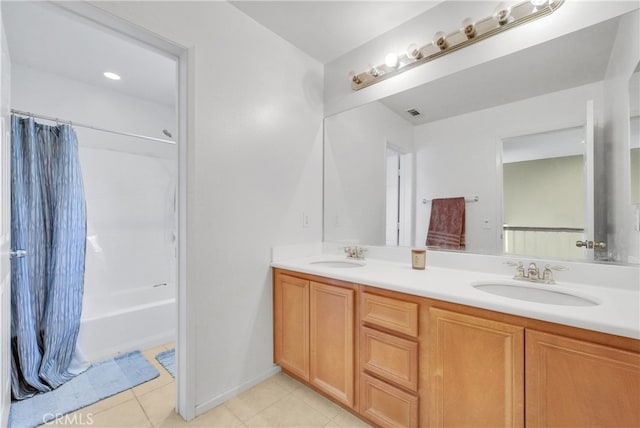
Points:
x=339 y=263
x=549 y=294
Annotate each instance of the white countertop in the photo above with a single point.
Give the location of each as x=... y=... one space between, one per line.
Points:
x=618 y=312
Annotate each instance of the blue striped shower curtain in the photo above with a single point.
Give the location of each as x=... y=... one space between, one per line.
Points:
x=48 y=220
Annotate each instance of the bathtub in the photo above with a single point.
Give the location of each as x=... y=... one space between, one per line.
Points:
x=127 y=321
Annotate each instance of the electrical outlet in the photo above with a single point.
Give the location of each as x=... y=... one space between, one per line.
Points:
x=305 y=220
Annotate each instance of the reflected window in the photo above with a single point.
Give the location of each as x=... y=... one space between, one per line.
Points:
x=543 y=194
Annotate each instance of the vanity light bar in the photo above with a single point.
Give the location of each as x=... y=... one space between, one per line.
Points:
x=471 y=32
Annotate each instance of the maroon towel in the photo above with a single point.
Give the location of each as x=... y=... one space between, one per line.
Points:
x=446 y=227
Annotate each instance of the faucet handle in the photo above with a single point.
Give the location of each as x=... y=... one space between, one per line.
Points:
x=519 y=268
x=547 y=275
x=533 y=272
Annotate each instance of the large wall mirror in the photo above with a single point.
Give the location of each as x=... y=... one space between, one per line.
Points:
x=518 y=138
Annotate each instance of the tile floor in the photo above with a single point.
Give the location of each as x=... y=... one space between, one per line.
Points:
x=279 y=401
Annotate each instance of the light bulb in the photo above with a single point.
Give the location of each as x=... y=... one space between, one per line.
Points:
x=353 y=76
x=440 y=40
x=468 y=28
x=391 y=60
x=502 y=13
x=539 y=3
x=373 y=70
x=413 y=52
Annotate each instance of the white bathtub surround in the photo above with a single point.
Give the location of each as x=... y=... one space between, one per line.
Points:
x=448 y=276
x=127 y=321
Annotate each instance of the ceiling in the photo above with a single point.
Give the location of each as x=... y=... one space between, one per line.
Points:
x=328 y=29
x=51 y=39
x=48 y=38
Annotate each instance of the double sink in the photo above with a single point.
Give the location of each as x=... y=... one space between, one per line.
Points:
x=519 y=290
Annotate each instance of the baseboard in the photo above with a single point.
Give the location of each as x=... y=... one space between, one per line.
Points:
x=216 y=401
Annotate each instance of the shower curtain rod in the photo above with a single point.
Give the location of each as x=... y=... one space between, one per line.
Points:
x=68 y=122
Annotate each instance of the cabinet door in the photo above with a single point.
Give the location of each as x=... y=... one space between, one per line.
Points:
x=476 y=371
x=291 y=324
x=332 y=341
x=575 y=383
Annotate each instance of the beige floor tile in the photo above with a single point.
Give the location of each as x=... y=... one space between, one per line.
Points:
x=290 y=412
x=286 y=381
x=159 y=404
x=219 y=417
x=150 y=354
x=256 y=399
x=317 y=401
x=345 y=419
x=127 y=414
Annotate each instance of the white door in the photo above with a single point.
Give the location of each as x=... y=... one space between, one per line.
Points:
x=5 y=231
x=393 y=195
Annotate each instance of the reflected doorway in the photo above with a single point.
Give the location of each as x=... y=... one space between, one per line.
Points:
x=398 y=200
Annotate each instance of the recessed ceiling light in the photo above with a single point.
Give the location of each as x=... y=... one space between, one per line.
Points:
x=110 y=75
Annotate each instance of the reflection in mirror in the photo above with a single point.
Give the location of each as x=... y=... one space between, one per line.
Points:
x=398 y=203
x=634 y=128
x=635 y=160
x=452 y=129
x=543 y=194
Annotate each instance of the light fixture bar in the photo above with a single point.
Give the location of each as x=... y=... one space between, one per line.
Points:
x=503 y=19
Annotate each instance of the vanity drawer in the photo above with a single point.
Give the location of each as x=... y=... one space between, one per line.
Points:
x=389 y=357
x=392 y=314
x=386 y=405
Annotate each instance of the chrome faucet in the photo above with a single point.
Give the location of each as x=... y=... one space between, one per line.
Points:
x=532 y=273
x=355 y=252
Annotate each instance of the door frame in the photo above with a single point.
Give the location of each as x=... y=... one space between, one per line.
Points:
x=185 y=341
x=5 y=229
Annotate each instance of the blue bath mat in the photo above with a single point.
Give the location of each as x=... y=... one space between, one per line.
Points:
x=100 y=381
x=168 y=361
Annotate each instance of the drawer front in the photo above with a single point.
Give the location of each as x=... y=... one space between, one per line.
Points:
x=392 y=314
x=386 y=405
x=392 y=358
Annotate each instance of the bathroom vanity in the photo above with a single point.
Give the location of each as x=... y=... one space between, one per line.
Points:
x=406 y=348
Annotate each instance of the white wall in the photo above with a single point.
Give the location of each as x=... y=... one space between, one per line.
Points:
x=355 y=171
x=255 y=167
x=452 y=157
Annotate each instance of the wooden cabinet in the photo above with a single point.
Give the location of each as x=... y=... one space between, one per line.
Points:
x=389 y=361
x=332 y=341
x=575 y=383
x=477 y=371
x=291 y=324
x=314 y=329
x=418 y=362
